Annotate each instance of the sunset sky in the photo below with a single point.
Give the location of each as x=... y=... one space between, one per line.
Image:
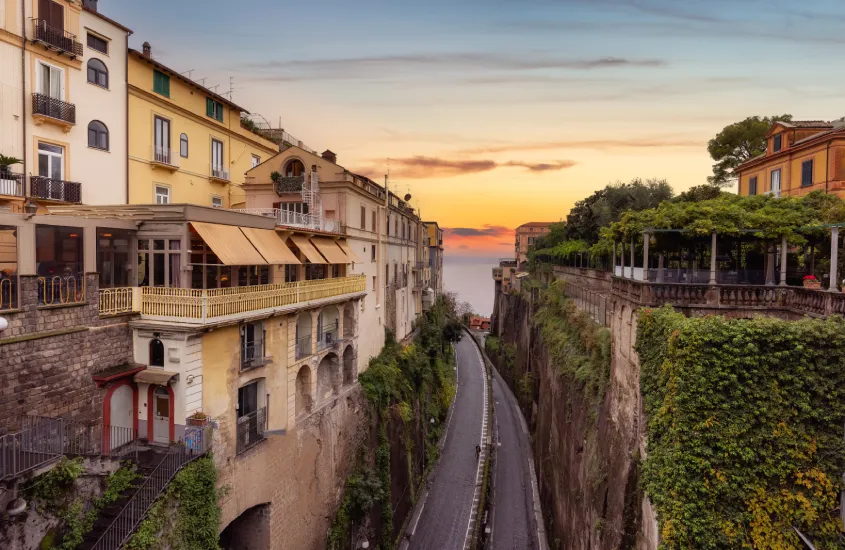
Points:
x=498 y=112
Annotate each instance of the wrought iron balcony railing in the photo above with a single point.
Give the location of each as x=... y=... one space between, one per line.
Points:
x=303 y=347
x=251 y=429
x=54 y=37
x=328 y=337
x=252 y=353
x=12 y=184
x=41 y=187
x=218 y=173
x=54 y=108
x=165 y=156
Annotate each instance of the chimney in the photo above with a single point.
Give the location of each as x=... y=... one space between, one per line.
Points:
x=90 y=5
x=148 y=50
x=329 y=156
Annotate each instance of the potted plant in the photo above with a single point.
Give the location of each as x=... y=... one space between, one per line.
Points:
x=198 y=419
x=8 y=186
x=810 y=281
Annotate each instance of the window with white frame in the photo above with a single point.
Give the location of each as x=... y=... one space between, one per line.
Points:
x=162 y=194
x=217 y=202
x=256 y=160
x=50 y=81
x=51 y=161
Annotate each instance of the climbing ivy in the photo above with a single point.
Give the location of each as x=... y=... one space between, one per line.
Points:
x=744 y=429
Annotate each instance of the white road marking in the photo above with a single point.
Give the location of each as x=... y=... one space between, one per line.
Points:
x=483 y=456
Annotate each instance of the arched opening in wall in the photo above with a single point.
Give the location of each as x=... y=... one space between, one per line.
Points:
x=348 y=366
x=248 y=531
x=328 y=323
x=156 y=353
x=303 y=390
x=293 y=168
x=328 y=377
x=349 y=320
x=303 y=335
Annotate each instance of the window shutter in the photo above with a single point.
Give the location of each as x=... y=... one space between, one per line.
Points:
x=209 y=107
x=219 y=111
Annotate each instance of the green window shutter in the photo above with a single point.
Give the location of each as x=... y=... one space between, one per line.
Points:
x=209 y=107
x=161 y=83
x=220 y=112
x=166 y=85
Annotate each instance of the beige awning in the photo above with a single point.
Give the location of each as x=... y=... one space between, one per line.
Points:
x=308 y=249
x=155 y=376
x=270 y=245
x=330 y=250
x=229 y=244
x=354 y=258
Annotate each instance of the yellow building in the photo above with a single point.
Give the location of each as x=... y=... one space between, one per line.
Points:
x=435 y=257
x=186 y=143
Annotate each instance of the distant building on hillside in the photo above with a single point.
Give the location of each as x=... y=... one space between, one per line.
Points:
x=526 y=234
x=801 y=156
x=479 y=323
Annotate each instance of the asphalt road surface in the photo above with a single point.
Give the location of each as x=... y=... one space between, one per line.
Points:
x=513 y=519
x=444 y=520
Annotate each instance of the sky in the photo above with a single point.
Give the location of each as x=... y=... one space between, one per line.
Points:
x=499 y=112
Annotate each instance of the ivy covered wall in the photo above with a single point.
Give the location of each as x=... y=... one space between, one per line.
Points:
x=744 y=429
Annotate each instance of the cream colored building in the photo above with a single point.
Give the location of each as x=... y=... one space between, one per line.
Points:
x=63 y=104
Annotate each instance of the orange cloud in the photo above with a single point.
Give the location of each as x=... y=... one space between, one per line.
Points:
x=487 y=240
x=420 y=167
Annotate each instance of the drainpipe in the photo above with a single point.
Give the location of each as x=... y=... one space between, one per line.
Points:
x=23 y=96
x=126 y=128
x=827 y=167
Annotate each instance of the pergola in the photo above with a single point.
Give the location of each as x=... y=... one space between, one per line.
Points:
x=742 y=250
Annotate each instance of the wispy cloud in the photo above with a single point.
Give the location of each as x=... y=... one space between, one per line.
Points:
x=484 y=231
x=422 y=167
x=599 y=144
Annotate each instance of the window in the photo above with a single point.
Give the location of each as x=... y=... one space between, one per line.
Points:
x=113 y=257
x=214 y=109
x=156 y=353
x=183 y=145
x=752 y=186
x=162 y=194
x=216 y=155
x=363 y=217
x=294 y=168
x=97 y=43
x=777 y=143
x=374 y=282
x=373 y=253
x=9 y=273
x=375 y=227
x=58 y=263
x=51 y=161
x=256 y=160
x=97 y=73
x=530 y=241
x=315 y=272
x=98 y=135
x=252 y=416
x=252 y=345
x=52 y=14
x=217 y=202
x=807 y=173
x=161 y=83
x=161 y=140
x=51 y=81
x=160 y=262
x=775 y=182
x=291 y=273
x=295 y=207
x=251 y=275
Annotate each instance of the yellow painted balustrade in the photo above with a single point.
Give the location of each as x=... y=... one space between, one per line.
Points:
x=114 y=301
x=204 y=305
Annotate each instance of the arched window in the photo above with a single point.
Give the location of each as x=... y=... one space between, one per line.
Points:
x=98 y=73
x=156 y=353
x=98 y=135
x=183 y=145
x=294 y=168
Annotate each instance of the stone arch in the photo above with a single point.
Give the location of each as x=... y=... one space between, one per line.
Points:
x=293 y=168
x=349 y=373
x=304 y=338
x=328 y=377
x=328 y=322
x=349 y=320
x=303 y=399
x=248 y=531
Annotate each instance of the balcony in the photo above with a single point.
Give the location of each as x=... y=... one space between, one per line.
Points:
x=290 y=218
x=219 y=174
x=54 y=111
x=253 y=353
x=13 y=185
x=184 y=305
x=289 y=184
x=163 y=157
x=251 y=430
x=55 y=38
x=328 y=337
x=303 y=347
x=41 y=187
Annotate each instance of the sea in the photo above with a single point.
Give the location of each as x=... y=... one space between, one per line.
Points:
x=472 y=279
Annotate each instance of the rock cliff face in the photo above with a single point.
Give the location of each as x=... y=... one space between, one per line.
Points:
x=586 y=455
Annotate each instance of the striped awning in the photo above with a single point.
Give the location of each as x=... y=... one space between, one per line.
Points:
x=330 y=250
x=229 y=244
x=305 y=246
x=354 y=258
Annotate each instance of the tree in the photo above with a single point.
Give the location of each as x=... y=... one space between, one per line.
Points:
x=737 y=143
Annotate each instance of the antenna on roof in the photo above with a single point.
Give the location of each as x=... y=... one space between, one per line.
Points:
x=214 y=87
x=189 y=72
x=231 y=87
x=202 y=81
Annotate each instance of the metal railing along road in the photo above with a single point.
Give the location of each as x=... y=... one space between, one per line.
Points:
x=591 y=302
x=41 y=439
x=196 y=443
x=115 y=300
x=57 y=38
x=53 y=108
x=41 y=187
x=251 y=429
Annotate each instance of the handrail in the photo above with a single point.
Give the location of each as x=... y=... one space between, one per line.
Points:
x=116 y=300
x=54 y=108
x=57 y=37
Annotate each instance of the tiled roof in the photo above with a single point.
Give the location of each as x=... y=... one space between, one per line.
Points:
x=808 y=124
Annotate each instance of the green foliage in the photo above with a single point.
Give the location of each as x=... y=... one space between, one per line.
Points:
x=699 y=193
x=579 y=347
x=5 y=161
x=737 y=143
x=250 y=125
x=744 y=429
x=190 y=503
x=50 y=488
x=77 y=523
x=525 y=388
x=275 y=176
